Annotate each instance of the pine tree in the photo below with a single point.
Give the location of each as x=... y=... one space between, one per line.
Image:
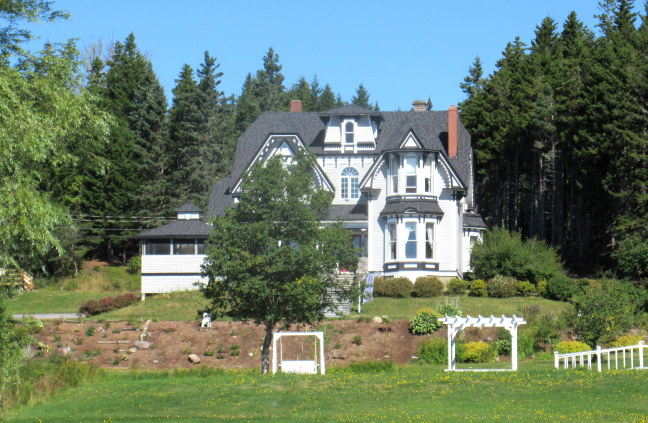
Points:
x=327 y=100
x=361 y=97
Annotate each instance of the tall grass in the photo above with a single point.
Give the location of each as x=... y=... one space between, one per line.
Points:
x=99 y=279
x=39 y=380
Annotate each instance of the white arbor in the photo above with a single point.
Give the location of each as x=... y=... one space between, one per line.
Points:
x=455 y=324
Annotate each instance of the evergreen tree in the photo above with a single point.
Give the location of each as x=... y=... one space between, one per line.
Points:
x=361 y=98
x=474 y=82
x=262 y=93
x=327 y=100
x=133 y=95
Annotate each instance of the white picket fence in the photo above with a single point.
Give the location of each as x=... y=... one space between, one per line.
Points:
x=616 y=358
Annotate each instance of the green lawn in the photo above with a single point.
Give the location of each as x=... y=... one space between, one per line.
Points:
x=404 y=308
x=52 y=301
x=406 y=394
x=173 y=306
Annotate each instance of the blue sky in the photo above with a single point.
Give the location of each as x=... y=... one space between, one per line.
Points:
x=400 y=50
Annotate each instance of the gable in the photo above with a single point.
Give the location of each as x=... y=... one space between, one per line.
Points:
x=284 y=146
x=411 y=141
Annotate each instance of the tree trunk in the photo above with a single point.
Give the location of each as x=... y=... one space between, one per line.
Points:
x=265 y=351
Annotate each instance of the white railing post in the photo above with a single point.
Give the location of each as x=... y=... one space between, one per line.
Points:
x=641 y=359
x=598 y=358
x=556 y=360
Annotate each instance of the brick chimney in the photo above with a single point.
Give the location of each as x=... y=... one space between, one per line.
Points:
x=295 y=105
x=453 y=136
x=418 y=105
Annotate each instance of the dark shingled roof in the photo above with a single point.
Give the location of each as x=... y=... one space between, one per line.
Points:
x=473 y=220
x=190 y=228
x=431 y=128
x=429 y=207
x=348 y=212
x=350 y=110
x=188 y=207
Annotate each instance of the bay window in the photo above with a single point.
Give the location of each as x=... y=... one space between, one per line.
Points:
x=392 y=241
x=410 y=174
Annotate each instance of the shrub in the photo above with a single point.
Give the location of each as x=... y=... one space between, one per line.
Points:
x=542 y=288
x=632 y=256
x=560 y=288
x=393 y=287
x=526 y=345
x=502 y=346
x=478 y=289
x=526 y=289
x=433 y=351
x=134 y=265
x=477 y=352
x=428 y=286
x=502 y=287
x=90 y=331
x=602 y=313
x=457 y=287
x=124 y=300
x=424 y=322
x=94 y=307
x=625 y=340
x=505 y=253
x=565 y=347
x=449 y=310
x=33 y=325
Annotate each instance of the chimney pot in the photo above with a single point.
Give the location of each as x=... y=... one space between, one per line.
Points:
x=418 y=105
x=295 y=105
x=453 y=135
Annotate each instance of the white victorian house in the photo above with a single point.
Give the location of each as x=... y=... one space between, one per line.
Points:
x=402 y=183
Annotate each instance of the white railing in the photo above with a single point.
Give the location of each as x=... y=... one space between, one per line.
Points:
x=623 y=358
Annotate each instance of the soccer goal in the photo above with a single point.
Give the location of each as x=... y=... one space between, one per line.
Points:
x=298 y=366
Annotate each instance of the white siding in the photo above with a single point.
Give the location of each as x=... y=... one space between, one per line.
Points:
x=376 y=224
x=171 y=264
x=333 y=166
x=154 y=284
x=168 y=273
x=446 y=242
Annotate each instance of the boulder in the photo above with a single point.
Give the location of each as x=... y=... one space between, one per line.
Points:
x=194 y=359
x=377 y=319
x=142 y=345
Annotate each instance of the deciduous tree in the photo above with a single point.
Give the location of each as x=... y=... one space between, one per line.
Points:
x=270 y=259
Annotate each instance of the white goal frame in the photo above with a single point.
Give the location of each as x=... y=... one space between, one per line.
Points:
x=299 y=366
x=455 y=324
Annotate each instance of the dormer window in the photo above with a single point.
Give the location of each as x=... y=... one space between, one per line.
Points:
x=348 y=132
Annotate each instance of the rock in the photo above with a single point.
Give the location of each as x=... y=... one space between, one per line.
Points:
x=132 y=350
x=250 y=354
x=194 y=359
x=142 y=345
x=156 y=361
x=377 y=319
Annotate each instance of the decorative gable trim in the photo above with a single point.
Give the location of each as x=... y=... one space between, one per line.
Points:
x=410 y=141
x=285 y=145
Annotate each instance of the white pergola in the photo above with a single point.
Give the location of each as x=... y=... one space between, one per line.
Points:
x=455 y=324
x=298 y=366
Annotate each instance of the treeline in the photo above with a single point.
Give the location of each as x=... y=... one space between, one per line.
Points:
x=560 y=134
x=91 y=153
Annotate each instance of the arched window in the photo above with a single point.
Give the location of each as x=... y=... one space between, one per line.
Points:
x=349 y=183
x=348 y=133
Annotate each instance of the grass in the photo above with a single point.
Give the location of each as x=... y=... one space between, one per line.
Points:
x=52 y=301
x=404 y=308
x=173 y=306
x=411 y=393
x=99 y=279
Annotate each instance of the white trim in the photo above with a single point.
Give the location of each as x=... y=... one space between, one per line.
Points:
x=456 y=323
